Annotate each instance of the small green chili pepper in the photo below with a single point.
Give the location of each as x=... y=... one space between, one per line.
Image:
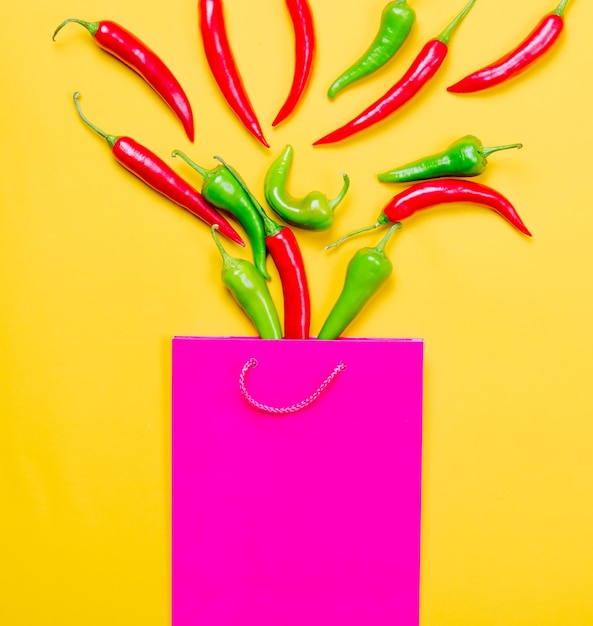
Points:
x=368 y=269
x=250 y=290
x=220 y=188
x=465 y=157
x=312 y=212
x=397 y=19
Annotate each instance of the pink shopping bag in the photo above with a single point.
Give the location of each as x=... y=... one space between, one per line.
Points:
x=309 y=517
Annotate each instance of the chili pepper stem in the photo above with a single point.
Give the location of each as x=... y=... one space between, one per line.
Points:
x=334 y=203
x=559 y=10
x=223 y=252
x=489 y=150
x=380 y=247
x=446 y=34
x=353 y=233
x=201 y=170
x=110 y=139
x=92 y=27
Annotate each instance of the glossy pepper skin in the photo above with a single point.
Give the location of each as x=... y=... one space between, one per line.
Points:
x=532 y=48
x=430 y=193
x=128 y=49
x=368 y=269
x=304 y=54
x=220 y=188
x=250 y=290
x=312 y=212
x=223 y=66
x=464 y=157
x=286 y=254
x=397 y=19
x=154 y=172
x=423 y=68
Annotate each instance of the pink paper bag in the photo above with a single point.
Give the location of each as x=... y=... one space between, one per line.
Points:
x=309 y=518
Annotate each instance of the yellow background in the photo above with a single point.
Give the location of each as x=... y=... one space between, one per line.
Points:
x=99 y=273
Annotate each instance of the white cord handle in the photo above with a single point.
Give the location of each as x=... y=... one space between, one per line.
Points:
x=293 y=408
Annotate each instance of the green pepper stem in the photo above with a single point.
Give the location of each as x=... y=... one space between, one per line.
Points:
x=271 y=227
x=491 y=149
x=559 y=10
x=446 y=34
x=381 y=245
x=226 y=257
x=201 y=170
x=335 y=244
x=92 y=27
x=110 y=139
x=334 y=203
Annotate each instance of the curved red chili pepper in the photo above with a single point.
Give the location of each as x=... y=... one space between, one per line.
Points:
x=533 y=47
x=153 y=171
x=429 y=193
x=126 y=47
x=423 y=68
x=222 y=64
x=304 y=49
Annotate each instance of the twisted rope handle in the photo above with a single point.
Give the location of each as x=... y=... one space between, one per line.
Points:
x=293 y=408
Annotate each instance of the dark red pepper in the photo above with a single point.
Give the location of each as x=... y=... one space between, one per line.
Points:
x=288 y=259
x=429 y=193
x=304 y=49
x=533 y=47
x=153 y=171
x=126 y=47
x=222 y=64
x=423 y=68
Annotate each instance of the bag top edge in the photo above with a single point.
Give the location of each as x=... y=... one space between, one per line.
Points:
x=257 y=339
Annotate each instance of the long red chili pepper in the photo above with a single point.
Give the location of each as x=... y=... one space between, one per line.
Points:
x=126 y=47
x=423 y=68
x=222 y=64
x=429 y=193
x=533 y=47
x=304 y=48
x=288 y=259
x=153 y=171
x=286 y=254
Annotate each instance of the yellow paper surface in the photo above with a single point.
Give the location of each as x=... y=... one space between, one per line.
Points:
x=98 y=274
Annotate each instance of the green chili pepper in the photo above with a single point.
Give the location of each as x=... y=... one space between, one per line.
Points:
x=312 y=212
x=368 y=269
x=220 y=188
x=397 y=19
x=465 y=157
x=250 y=290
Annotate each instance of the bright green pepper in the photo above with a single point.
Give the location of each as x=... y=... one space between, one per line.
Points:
x=312 y=212
x=465 y=157
x=397 y=19
x=250 y=290
x=220 y=188
x=368 y=269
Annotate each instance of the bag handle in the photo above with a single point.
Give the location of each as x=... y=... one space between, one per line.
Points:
x=293 y=408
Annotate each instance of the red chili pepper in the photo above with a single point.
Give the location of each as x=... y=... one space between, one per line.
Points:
x=123 y=45
x=423 y=68
x=429 y=193
x=288 y=259
x=304 y=32
x=222 y=64
x=153 y=171
x=286 y=254
x=533 y=47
